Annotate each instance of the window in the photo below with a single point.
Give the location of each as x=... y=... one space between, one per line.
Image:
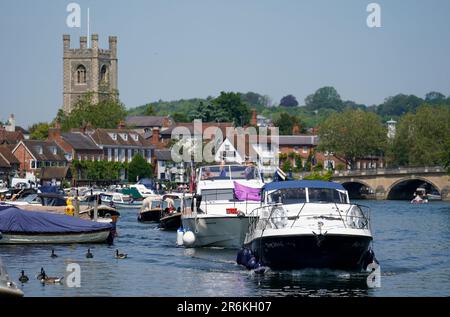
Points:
x=135 y=137
x=68 y=156
x=116 y=155
x=130 y=155
x=54 y=150
x=81 y=74
x=109 y=154
x=39 y=149
x=33 y=164
x=104 y=74
x=305 y=149
x=124 y=136
x=114 y=136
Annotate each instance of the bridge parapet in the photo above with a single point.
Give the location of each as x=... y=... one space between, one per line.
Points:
x=391 y=171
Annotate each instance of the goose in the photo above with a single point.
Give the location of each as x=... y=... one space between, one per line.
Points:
x=41 y=275
x=23 y=278
x=53 y=254
x=51 y=280
x=120 y=255
x=89 y=255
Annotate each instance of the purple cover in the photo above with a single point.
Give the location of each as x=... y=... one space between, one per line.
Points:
x=16 y=220
x=246 y=193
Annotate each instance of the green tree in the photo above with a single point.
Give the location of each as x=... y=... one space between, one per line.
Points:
x=352 y=135
x=39 y=131
x=285 y=123
x=398 y=105
x=324 y=98
x=104 y=114
x=422 y=138
x=435 y=98
x=150 y=110
x=288 y=101
x=229 y=107
x=139 y=168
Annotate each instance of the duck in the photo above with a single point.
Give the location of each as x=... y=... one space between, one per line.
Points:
x=23 y=278
x=120 y=255
x=53 y=254
x=51 y=280
x=89 y=255
x=41 y=275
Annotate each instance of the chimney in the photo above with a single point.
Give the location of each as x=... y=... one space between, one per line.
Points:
x=54 y=134
x=11 y=127
x=254 y=120
x=121 y=124
x=83 y=42
x=155 y=136
x=296 y=129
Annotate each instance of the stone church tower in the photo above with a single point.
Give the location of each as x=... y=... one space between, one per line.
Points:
x=89 y=70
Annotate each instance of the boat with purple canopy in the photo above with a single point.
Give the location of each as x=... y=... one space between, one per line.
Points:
x=19 y=226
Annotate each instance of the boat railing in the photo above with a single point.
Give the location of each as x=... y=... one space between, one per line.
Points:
x=273 y=216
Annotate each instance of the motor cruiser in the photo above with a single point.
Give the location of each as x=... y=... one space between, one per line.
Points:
x=225 y=195
x=309 y=224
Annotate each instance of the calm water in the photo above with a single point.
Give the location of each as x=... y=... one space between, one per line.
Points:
x=412 y=243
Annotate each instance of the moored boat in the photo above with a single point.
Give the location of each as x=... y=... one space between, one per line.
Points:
x=29 y=227
x=152 y=208
x=171 y=215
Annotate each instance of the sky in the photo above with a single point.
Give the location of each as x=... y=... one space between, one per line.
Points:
x=173 y=49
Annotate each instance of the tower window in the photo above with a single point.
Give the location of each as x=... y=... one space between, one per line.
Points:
x=81 y=74
x=104 y=74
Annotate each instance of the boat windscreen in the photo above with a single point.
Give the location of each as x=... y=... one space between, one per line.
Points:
x=244 y=172
x=325 y=195
x=288 y=196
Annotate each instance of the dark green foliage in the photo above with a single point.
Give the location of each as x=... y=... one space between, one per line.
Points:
x=138 y=168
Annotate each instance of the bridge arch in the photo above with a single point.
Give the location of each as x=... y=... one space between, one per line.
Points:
x=358 y=189
x=404 y=188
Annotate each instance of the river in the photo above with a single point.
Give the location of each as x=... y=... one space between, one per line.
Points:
x=411 y=242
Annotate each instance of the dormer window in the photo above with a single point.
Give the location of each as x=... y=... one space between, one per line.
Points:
x=54 y=150
x=39 y=149
x=135 y=137
x=113 y=136
x=124 y=136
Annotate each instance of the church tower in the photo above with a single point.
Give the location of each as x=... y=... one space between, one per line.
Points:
x=88 y=70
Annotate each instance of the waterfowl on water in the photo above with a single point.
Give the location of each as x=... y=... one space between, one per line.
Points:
x=53 y=254
x=23 y=278
x=51 y=280
x=120 y=255
x=89 y=255
x=41 y=275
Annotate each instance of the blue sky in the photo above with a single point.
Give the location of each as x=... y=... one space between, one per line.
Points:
x=171 y=49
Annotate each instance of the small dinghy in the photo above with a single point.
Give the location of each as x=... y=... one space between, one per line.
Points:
x=7 y=287
x=30 y=227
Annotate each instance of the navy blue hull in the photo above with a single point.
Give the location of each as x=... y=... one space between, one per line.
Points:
x=308 y=251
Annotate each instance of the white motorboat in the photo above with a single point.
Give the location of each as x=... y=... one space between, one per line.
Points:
x=309 y=224
x=120 y=200
x=7 y=287
x=217 y=217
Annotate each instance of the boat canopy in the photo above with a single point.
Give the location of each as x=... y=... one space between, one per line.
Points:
x=302 y=184
x=16 y=220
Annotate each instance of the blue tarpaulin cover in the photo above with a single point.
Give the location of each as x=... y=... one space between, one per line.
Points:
x=16 y=220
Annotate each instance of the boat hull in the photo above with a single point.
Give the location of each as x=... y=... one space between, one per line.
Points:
x=150 y=216
x=102 y=236
x=339 y=252
x=226 y=232
x=170 y=222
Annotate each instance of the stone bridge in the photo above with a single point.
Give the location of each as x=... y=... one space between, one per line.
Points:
x=394 y=183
